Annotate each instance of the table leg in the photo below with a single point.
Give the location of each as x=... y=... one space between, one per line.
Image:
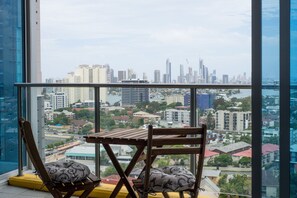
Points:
x=122 y=174
x=129 y=169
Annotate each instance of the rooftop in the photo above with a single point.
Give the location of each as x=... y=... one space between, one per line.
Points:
x=233 y=147
x=246 y=153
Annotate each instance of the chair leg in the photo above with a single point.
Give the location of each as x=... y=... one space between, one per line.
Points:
x=87 y=192
x=69 y=194
x=165 y=194
x=194 y=194
x=181 y=194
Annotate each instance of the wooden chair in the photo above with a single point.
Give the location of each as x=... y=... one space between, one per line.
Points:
x=193 y=139
x=56 y=189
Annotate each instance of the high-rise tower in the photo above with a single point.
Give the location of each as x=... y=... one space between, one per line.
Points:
x=168 y=71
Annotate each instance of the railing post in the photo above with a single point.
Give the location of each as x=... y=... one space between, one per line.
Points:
x=20 y=145
x=97 y=130
x=193 y=119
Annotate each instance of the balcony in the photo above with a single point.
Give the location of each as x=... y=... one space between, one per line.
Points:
x=211 y=112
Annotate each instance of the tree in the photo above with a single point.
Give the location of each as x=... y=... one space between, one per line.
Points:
x=221 y=104
x=85 y=115
x=245 y=161
x=223 y=160
x=61 y=119
x=174 y=104
x=86 y=129
x=246 y=138
x=239 y=184
x=246 y=103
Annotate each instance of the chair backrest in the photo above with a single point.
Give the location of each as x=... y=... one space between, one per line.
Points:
x=27 y=136
x=193 y=139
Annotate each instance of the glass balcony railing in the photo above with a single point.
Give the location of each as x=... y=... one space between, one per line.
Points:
x=64 y=113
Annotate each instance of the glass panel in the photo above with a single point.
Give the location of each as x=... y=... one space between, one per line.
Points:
x=270 y=98
x=293 y=101
x=10 y=72
x=206 y=42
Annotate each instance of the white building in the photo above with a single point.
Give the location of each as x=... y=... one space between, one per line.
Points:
x=59 y=100
x=232 y=120
x=174 y=98
x=99 y=75
x=86 y=74
x=175 y=115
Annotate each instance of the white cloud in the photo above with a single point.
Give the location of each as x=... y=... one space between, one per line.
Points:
x=142 y=34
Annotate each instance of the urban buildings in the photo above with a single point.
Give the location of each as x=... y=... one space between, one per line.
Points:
x=178 y=116
x=168 y=71
x=86 y=74
x=121 y=75
x=225 y=79
x=204 y=100
x=132 y=96
x=157 y=76
x=232 y=120
x=58 y=100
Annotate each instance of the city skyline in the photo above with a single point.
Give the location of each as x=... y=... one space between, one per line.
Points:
x=124 y=35
x=203 y=74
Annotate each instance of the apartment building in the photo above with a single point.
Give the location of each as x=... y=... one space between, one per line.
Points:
x=59 y=100
x=175 y=115
x=132 y=96
x=86 y=74
x=232 y=120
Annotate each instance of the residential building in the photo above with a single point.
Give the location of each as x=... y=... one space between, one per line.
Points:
x=232 y=120
x=270 y=153
x=174 y=98
x=87 y=74
x=99 y=75
x=132 y=96
x=147 y=117
x=179 y=116
x=59 y=100
x=232 y=148
x=157 y=76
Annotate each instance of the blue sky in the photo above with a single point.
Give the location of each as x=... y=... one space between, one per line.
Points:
x=141 y=35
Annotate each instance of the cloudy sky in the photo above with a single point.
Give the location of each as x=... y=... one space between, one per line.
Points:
x=142 y=34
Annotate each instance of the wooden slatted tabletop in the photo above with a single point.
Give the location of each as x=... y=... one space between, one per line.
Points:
x=122 y=136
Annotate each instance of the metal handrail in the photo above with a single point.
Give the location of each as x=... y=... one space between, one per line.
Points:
x=193 y=89
x=145 y=85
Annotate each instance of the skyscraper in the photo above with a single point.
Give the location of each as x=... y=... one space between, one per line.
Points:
x=181 y=78
x=121 y=75
x=131 y=74
x=157 y=76
x=225 y=79
x=144 y=76
x=168 y=71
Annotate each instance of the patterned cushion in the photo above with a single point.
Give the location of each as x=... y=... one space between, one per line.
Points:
x=169 y=179
x=67 y=171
